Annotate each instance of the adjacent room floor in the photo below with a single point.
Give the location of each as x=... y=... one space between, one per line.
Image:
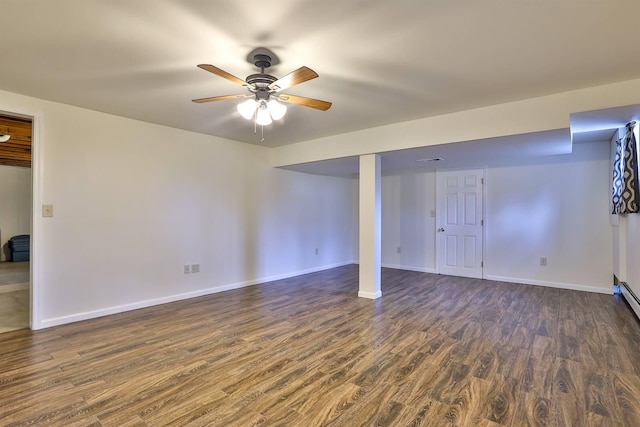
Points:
x=434 y=350
x=14 y=307
x=14 y=296
x=14 y=272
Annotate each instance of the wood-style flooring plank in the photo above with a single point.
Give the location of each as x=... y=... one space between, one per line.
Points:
x=533 y=410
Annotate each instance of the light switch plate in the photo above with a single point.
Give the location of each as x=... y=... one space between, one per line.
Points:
x=47 y=210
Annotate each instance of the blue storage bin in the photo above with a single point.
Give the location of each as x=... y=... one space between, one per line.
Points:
x=19 y=247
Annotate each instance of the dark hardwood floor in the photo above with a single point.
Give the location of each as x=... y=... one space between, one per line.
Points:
x=433 y=351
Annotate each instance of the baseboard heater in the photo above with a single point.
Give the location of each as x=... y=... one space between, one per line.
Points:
x=631 y=298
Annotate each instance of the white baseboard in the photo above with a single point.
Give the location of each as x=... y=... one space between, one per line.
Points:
x=570 y=286
x=630 y=299
x=86 y=315
x=410 y=268
x=296 y=273
x=369 y=295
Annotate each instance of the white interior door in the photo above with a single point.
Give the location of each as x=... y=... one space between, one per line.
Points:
x=459 y=222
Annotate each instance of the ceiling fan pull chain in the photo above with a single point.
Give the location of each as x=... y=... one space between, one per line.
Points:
x=262 y=136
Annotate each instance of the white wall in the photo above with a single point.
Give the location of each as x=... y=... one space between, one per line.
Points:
x=632 y=251
x=15 y=204
x=554 y=207
x=134 y=201
x=355 y=219
x=408 y=200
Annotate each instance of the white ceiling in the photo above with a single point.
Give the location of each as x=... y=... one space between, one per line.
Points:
x=379 y=61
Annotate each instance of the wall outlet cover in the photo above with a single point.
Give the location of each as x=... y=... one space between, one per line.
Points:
x=47 y=211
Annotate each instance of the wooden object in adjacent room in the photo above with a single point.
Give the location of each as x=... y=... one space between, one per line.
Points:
x=17 y=150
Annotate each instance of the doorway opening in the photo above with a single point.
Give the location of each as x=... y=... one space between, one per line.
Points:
x=16 y=220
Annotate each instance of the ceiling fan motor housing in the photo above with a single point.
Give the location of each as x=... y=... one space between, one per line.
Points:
x=258 y=83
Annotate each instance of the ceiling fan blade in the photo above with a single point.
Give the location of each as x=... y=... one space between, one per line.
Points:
x=218 y=72
x=296 y=77
x=305 y=102
x=220 y=98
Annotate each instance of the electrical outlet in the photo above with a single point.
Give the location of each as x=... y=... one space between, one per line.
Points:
x=399 y=250
x=543 y=262
x=187 y=270
x=195 y=268
x=317 y=251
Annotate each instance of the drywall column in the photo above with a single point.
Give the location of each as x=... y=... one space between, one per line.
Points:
x=370 y=226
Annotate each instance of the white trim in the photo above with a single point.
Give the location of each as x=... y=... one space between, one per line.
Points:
x=410 y=268
x=37 y=147
x=35 y=257
x=570 y=286
x=369 y=295
x=485 y=215
x=630 y=299
x=54 y=321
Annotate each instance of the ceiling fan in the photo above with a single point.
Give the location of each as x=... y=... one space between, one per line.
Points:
x=265 y=89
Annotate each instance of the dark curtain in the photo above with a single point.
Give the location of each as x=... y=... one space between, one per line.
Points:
x=625 y=174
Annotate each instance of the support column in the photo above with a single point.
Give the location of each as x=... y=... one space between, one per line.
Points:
x=370 y=226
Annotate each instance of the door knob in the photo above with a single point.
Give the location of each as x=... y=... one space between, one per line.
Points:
x=440 y=230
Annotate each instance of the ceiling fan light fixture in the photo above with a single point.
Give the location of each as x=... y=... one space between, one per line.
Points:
x=247 y=108
x=263 y=117
x=4 y=138
x=276 y=109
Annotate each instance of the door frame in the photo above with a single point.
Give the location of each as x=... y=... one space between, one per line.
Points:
x=484 y=217
x=36 y=116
